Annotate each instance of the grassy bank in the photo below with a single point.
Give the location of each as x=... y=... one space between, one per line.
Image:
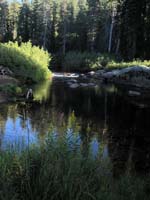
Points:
x=87 y=61
x=25 y=61
x=122 y=64
x=58 y=171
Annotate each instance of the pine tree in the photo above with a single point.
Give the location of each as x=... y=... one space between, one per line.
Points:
x=24 y=23
x=3 y=20
x=81 y=26
x=93 y=13
x=36 y=23
x=12 y=22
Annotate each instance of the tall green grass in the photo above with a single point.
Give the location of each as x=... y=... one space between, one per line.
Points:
x=26 y=61
x=123 y=64
x=57 y=170
x=85 y=61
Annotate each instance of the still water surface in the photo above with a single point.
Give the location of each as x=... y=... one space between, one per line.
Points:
x=102 y=118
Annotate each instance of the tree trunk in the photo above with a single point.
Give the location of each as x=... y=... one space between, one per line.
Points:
x=111 y=30
x=64 y=26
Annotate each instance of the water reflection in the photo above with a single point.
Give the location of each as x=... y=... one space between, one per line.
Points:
x=100 y=118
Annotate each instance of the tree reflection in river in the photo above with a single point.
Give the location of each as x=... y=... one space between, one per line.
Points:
x=99 y=117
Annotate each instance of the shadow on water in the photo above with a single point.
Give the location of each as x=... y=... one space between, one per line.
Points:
x=100 y=118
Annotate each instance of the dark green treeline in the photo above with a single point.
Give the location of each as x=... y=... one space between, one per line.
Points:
x=117 y=26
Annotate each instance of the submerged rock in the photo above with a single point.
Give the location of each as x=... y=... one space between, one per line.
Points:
x=91 y=85
x=73 y=81
x=73 y=86
x=134 y=93
x=84 y=84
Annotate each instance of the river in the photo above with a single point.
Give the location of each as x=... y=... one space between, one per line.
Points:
x=101 y=118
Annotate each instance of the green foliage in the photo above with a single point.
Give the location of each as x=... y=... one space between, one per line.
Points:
x=26 y=61
x=114 y=65
x=11 y=89
x=86 y=61
x=57 y=170
x=82 y=62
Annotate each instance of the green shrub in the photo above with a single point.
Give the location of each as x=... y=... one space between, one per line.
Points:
x=86 y=61
x=26 y=61
x=11 y=89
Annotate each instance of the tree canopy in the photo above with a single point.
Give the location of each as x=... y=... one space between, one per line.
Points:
x=59 y=26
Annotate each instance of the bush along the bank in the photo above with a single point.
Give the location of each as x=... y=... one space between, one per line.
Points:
x=11 y=89
x=25 y=61
x=85 y=61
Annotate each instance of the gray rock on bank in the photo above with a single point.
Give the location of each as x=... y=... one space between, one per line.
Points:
x=136 y=75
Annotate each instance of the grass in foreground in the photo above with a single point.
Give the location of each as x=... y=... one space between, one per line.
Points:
x=58 y=171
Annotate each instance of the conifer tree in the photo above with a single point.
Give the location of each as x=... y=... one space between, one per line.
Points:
x=24 y=22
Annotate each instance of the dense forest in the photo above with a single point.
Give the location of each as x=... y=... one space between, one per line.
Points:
x=117 y=26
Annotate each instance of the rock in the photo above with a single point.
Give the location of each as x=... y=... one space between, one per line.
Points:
x=73 y=81
x=91 y=73
x=83 y=84
x=135 y=71
x=101 y=71
x=134 y=93
x=74 y=75
x=65 y=75
x=4 y=80
x=136 y=76
x=91 y=84
x=75 y=85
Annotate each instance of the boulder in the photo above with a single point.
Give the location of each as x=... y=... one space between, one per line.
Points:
x=136 y=75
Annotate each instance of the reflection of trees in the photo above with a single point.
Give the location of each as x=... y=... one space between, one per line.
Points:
x=81 y=111
x=87 y=112
x=42 y=90
x=6 y=110
x=3 y=117
x=141 y=144
x=128 y=138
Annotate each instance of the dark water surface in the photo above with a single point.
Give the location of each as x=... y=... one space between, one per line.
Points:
x=102 y=118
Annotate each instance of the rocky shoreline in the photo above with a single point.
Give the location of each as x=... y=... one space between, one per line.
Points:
x=135 y=81
x=136 y=76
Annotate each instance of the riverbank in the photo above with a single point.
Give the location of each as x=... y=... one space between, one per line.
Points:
x=83 y=62
x=58 y=170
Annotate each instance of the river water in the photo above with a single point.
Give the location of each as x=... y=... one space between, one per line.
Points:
x=103 y=118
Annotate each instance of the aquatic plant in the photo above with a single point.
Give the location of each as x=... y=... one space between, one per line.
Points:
x=57 y=170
